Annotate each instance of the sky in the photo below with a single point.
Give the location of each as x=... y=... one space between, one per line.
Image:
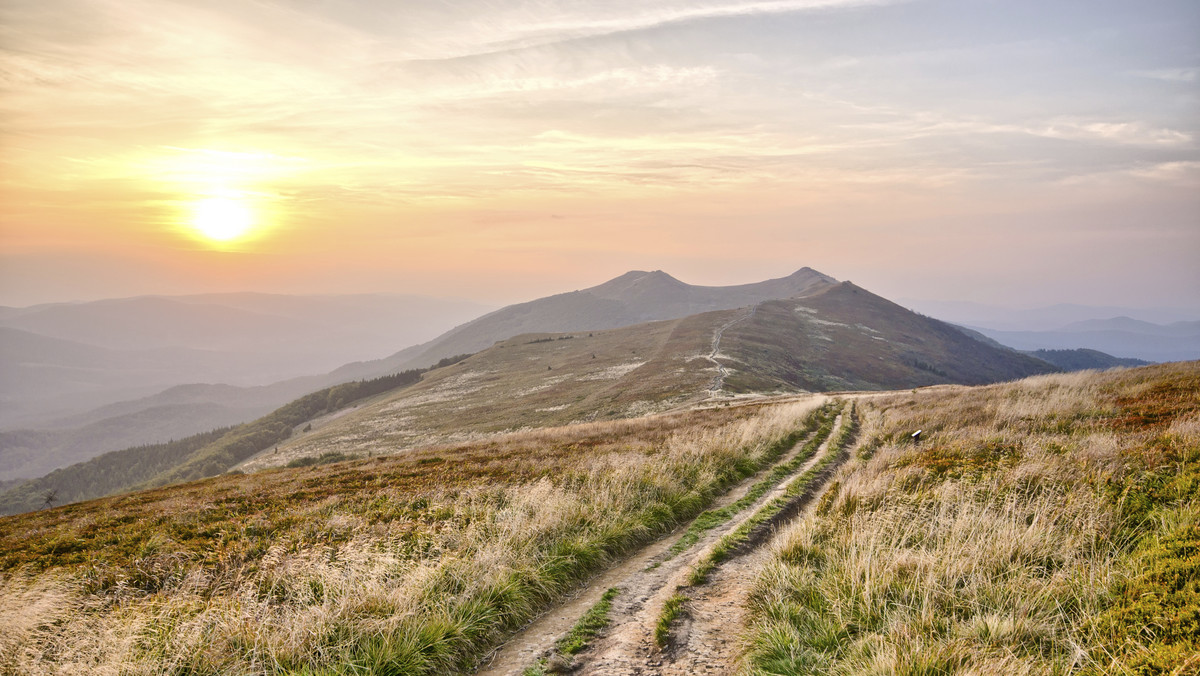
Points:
x=1012 y=152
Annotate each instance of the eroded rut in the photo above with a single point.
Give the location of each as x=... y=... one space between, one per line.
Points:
x=705 y=640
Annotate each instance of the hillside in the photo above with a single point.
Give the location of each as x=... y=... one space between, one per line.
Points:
x=197 y=456
x=1006 y=542
x=846 y=338
x=1082 y=359
x=840 y=337
x=58 y=412
x=633 y=298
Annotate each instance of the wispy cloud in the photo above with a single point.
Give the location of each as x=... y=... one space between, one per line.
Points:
x=349 y=113
x=609 y=18
x=1186 y=75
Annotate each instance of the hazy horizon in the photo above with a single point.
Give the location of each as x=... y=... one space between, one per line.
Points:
x=1016 y=154
x=949 y=309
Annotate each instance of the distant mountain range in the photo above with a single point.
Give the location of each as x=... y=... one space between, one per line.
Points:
x=78 y=379
x=1047 y=318
x=1118 y=336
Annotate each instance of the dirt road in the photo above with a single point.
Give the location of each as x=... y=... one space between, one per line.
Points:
x=705 y=640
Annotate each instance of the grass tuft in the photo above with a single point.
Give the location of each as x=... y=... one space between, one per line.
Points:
x=670 y=612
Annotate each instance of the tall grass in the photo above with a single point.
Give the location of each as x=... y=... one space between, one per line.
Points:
x=336 y=588
x=1015 y=539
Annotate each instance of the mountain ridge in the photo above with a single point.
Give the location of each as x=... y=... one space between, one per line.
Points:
x=634 y=297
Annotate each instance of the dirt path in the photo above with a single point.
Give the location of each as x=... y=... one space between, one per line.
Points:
x=719 y=379
x=643 y=578
x=706 y=640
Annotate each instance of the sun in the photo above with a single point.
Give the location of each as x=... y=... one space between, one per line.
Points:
x=222 y=219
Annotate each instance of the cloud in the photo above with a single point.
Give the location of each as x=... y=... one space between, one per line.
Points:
x=1187 y=75
x=621 y=17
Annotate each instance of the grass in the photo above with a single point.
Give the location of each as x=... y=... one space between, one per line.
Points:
x=670 y=612
x=529 y=381
x=414 y=564
x=595 y=619
x=732 y=541
x=581 y=635
x=1046 y=526
x=323 y=459
x=740 y=535
x=819 y=426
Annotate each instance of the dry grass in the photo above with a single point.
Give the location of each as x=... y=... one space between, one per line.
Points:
x=530 y=381
x=410 y=564
x=1016 y=538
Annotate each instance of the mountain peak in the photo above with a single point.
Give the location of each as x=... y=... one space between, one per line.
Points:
x=635 y=281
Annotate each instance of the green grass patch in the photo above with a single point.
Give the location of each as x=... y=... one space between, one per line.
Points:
x=670 y=612
x=1152 y=624
x=323 y=459
x=588 y=626
x=581 y=635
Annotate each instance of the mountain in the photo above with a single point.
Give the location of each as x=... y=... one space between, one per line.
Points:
x=837 y=337
x=1130 y=325
x=178 y=412
x=81 y=379
x=823 y=335
x=337 y=328
x=66 y=358
x=194 y=457
x=632 y=298
x=42 y=377
x=846 y=338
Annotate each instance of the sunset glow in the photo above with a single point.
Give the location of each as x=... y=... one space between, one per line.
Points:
x=221 y=219
x=513 y=149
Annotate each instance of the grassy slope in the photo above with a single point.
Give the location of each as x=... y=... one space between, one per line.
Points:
x=412 y=564
x=848 y=338
x=533 y=380
x=536 y=380
x=1045 y=526
x=190 y=458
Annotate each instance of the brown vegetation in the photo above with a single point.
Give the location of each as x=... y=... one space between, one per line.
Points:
x=1045 y=526
x=412 y=564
